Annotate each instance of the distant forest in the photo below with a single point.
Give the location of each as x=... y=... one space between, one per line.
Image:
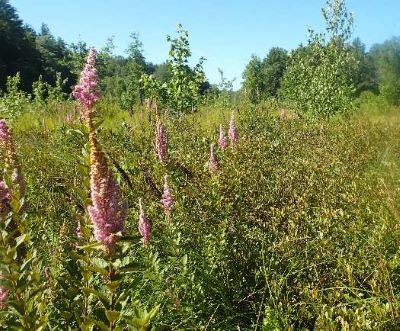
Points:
x=37 y=54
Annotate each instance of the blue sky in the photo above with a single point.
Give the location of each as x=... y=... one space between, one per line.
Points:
x=225 y=32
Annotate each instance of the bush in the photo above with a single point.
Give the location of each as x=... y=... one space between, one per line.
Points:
x=318 y=79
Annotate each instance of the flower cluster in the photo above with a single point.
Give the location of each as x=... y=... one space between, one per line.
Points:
x=5 y=132
x=144 y=225
x=232 y=132
x=5 y=196
x=161 y=142
x=167 y=199
x=11 y=166
x=222 y=140
x=107 y=212
x=4 y=192
x=3 y=295
x=212 y=163
x=86 y=92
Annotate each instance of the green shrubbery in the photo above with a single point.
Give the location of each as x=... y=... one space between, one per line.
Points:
x=298 y=229
x=319 y=77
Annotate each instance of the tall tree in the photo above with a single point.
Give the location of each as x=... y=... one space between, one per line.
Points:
x=319 y=77
x=54 y=54
x=274 y=66
x=185 y=86
x=136 y=67
x=386 y=57
x=253 y=79
x=17 y=52
x=365 y=75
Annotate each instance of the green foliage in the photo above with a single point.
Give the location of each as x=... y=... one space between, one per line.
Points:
x=253 y=80
x=386 y=57
x=13 y=101
x=274 y=66
x=20 y=265
x=18 y=51
x=181 y=93
x=55 y=56
x=225 y=90
x=262 y=78
x=319 y=77
x=56 y=93
x=136 y=68
x=162 y=73
x=365 y=76
x=297 y=230
x=39 y=91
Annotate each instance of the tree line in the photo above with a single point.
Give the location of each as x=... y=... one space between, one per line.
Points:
x=323 y=76
x=329 y=72
x=39 y=56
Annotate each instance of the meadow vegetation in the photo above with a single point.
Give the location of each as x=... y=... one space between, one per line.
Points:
x=115 y=215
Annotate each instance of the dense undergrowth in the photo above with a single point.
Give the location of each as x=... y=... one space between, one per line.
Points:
x=298 y=229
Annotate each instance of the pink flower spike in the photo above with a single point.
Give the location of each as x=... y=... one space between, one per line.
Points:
x=161 y=142
x=4 y=192
x=222 y=140
x=5 y=132
x=46 y=272
x=3 y=295
x=212 y=163
x=107 y=211
x=11 y=165
x=167 y=199
x=232 y=132
x=144 y=225
x=86 y=92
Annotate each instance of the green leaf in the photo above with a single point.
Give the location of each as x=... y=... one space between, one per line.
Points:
x=18 y=306
x=26 y=264
x=133 y=239
x=112 y=286
x=113 y=315
x=97 y=269
x=92 y=246
x=101 y=325
x=87 y=325
x=19 y=240
x=143 y=320
x=153 y=312
x=131 y=267
x=101 y=296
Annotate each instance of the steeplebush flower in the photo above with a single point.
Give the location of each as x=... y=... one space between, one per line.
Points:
x=87 y=92
x=213 y=162
x=107 y=211
x=5 y=196
x=11 y=165
x=222 y=140
x=4 y=192
x=5 y=132
x=232 y=132
x=3 y=295
x=46 y=272
x=161 y=142
x=144 y=225
x=167 y=199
